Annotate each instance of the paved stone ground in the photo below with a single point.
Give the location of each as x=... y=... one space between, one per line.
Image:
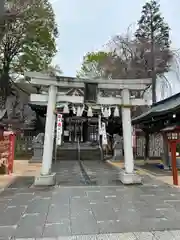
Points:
x=87 y=211
x=96 y=173
x=156 y=235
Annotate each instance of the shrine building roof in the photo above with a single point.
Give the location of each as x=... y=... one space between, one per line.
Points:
x=166 y=106
x=172 y=128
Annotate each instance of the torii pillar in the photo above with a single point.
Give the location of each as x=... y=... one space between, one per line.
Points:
x=46 y=178
x=128 y=176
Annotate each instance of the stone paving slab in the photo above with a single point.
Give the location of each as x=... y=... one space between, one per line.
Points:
x=156 y=235
x=68 y=173
x=20 y=168
x=83 y=210
x=66 y=211
x=101 y=173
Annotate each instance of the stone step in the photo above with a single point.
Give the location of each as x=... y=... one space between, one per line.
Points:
x=67 y=154
x=90 y=154
x=69 y=151
x=84 y=155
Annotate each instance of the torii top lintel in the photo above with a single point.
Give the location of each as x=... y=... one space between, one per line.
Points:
x=37 y=78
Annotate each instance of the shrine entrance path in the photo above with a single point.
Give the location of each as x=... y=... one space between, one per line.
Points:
x=90 y=203
x=92 y=173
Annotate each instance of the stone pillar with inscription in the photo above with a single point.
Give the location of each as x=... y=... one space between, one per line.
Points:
x=38 y=144
x=117 y=147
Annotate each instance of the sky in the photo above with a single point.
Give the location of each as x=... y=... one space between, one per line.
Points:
x=86 y=25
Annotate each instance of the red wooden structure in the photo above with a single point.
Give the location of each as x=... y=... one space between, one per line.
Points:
x=7 y=147
x=173 y=137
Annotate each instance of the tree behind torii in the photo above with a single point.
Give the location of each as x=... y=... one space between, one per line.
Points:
x=28 y=42
x=153 y=31
x=134 y=57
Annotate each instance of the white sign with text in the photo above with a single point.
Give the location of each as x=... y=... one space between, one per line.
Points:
x=59 y=129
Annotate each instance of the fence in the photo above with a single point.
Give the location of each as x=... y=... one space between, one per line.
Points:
x=24 y=150
x=155 y=146
x=23 y=145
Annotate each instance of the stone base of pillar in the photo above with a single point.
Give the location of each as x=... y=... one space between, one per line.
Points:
x=45 y=180
x=117 y=155
x=118 y=159
x=129 y=178
x=167 y=168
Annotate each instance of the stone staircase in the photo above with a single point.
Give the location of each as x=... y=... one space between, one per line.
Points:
x=88 y=151
x=68 y=151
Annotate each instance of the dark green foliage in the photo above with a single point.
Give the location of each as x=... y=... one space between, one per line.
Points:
x=145 y=55
x=153 y=35
x=152 y=27
x=28 y=43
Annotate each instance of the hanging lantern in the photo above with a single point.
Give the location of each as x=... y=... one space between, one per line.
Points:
x=66 y=109
x=116 y=112
x=90 y=113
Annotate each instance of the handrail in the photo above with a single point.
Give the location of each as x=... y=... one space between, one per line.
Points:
x=78 y=148
x=100 y=147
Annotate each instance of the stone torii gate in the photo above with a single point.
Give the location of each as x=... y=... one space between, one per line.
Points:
x=125 y=100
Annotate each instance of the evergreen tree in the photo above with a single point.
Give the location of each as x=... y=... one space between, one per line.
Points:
x=153 y=32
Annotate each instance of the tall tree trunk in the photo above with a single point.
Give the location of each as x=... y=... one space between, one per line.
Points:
x=2 y=102
x=5 y=87
x=153 y=87
x=165 y=156
x=153 y=74
x=153 y=68
x=2 y=6
x=2 y=12
x=146 y=150
x=2 y=9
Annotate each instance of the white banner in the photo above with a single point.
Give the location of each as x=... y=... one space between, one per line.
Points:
x=99 y=125
x=59 y=129
x=104 y=135
x=133 y=137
